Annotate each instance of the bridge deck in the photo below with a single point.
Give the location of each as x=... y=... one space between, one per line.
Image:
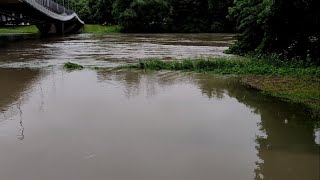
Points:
x=45 y=11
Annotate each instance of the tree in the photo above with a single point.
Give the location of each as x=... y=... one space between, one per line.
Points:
x=146 y=16
x=189 y=15
x=118 y=8
x=173 y=15
x=217 y=12
x=101 y=11
x=82 y=9
x=289 y=28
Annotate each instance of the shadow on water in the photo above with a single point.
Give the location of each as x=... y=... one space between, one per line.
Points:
x=8 y=39
x=14 y=83
x=289 y=148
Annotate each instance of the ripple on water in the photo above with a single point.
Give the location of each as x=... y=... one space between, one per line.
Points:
x=112 y=50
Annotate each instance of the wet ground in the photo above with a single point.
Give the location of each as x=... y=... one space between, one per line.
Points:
x=106 y=124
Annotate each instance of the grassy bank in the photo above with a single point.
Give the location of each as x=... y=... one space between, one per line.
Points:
x=236 y=65
x=302 y=90
x=293 y=83
x=88 y=28
x=94 y=28
x=19 y=29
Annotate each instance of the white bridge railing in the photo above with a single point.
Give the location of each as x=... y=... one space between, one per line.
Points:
x=53 y=10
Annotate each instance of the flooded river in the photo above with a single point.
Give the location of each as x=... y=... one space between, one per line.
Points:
x=134 y=125
x=110 y=50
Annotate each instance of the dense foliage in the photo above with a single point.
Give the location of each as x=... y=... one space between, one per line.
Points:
x=93 y=11
x=288 y=28
x=158 y=15
x=173 y=15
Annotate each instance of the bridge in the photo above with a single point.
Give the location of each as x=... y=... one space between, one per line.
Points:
x=49 y=16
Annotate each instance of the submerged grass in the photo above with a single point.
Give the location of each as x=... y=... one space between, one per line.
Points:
x=18 y=29
x=94 y=28
x=72 y=66
x=293 y=83
x=236 y=65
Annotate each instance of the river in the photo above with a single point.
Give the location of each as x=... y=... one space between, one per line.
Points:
x=126 y=124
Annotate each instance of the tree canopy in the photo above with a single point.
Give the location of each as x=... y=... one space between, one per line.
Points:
x=288 y=28
x=159 y=15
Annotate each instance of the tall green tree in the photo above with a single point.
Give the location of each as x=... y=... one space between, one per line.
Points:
x=101 y=11
x=119 y=6
x=249 y=16
x=189 y=15
x=217 y=16
x=289 y=28
x=82 y=9
x=146 y=16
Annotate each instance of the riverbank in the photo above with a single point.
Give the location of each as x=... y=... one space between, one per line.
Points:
x=95 y=28
x=88 y=28
x=18 y=29
x=295 y=84
x=302 y=90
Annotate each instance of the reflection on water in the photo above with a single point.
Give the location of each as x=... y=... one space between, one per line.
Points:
x=110 y=50
x=14 y=83
x=142 y=125
x=6 y=39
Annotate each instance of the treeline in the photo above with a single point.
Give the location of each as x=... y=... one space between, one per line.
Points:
x=159 y=15
x=92 y=11
x=286 y=29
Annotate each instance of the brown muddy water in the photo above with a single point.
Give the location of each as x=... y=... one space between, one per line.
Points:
x=134 y=125
x=110 y=50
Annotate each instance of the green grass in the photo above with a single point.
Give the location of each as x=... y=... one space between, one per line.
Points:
x=302 y=90
x=72 y=66
x=93 y=28
x=18 y=29
x=236 y=65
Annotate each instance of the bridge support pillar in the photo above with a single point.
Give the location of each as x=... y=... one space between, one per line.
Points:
x=45 y=28
x=62 y=28
x=59 y=28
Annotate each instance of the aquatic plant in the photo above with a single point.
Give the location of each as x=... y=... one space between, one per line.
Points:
x=72 y=66
x=235 y=65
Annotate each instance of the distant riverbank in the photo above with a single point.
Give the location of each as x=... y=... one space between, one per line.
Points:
x=94 y=28
x=88 y=28
x=13 y=34
x=18 y=29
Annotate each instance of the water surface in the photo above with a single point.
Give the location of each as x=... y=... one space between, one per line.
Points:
x=110 y=50
x=135 y=125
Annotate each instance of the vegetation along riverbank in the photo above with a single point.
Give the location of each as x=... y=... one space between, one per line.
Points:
x=18 y=29
x=88 y=28
x=95 y=28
